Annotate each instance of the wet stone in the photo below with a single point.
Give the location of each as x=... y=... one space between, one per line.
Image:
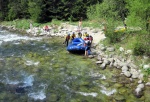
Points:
x=20 y=90
x=120 y=98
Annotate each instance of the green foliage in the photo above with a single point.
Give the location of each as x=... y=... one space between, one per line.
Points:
x=111 y=33
x=109 y=13
x=12 y=14
x=141 y=46
x=138 y=48
x=148 y=71
x=3 y=9
x=17 y=9
x=139 y=13
x=45 y=10
x=34 y=7
x=107 y=9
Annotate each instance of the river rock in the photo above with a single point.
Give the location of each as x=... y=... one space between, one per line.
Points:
x=120 y=98
x=139 y=91
x=146 y=67
x=148 y=84
x=52 y=98
x=141 y=76
x=110 y=49
x=124 y=68
x=107 y=62
x=128 y=52
x=127 y=74
x=99 y=62
x=134 y=72
x=99 y=58
x=103 y=48
x=121 y=49
x=103 y=65
x=117 y=85
x=90 y=56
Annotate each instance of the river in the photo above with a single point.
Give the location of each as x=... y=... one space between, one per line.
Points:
x=39 y=69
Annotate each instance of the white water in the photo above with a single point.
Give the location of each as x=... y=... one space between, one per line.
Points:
x=106 y=91
x=40 y=95
x=88 y=94
x=37 y=93
x=30 y=62
x=7 y=37
x=28 y=81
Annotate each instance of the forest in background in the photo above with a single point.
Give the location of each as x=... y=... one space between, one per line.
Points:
x=135 y=15
x=45 y=10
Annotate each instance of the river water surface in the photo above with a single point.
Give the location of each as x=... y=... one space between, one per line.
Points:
x=39 y=69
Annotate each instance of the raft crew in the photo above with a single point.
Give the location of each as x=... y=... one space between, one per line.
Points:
x=73 y=36
x=79 y=35
x=87 y=47
x=67 y=38
x=88 y=37
x=85 y=34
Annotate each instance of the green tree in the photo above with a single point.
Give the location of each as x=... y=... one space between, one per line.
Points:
x=108 y=13
x=139 y=16
x=139 y=13
x=35 y=9
x=17 y=9
x=3 y=9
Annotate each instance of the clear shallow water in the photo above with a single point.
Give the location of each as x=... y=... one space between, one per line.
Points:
x=41 y=70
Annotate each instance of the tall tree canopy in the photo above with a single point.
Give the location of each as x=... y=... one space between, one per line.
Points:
x=45 y=10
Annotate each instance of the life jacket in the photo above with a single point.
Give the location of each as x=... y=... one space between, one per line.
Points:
x=80 y=34
x=90 y=38
x=73 y=36
x=67 y=37
x=46 y=27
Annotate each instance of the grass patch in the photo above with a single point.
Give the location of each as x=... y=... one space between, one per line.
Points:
x=25 y=23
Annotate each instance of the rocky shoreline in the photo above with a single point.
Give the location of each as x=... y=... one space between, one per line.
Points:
x=106 y=56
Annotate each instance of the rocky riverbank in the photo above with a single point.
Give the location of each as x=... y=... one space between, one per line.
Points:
x=107 y=56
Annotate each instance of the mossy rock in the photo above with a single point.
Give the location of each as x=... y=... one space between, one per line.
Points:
x=147 y=93
x=105 y=83
x=117 y=85
x=122 y=90
x=3 y=95
x=52 y=98
x=120 y=98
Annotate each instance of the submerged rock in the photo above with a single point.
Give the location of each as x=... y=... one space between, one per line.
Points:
x=120 y=98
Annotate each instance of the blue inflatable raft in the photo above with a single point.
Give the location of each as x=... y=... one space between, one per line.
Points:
x=76 y=46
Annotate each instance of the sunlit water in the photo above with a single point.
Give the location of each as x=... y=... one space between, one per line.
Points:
x=41 y=70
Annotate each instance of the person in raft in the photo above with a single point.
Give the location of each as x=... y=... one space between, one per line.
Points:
x=67 y=38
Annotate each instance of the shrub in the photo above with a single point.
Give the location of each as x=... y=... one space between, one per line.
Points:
x=141 y=47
